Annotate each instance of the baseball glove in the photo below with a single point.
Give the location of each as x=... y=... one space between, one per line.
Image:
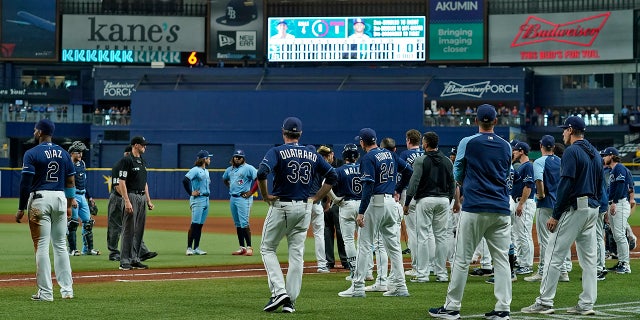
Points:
x=93 y=209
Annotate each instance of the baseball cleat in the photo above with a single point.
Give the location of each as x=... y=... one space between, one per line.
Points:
x=411 y=273
x=275 y=302
x=419 y=280
x=323 y=270
x=623 y=267
x=352 y=293
x=125 y=267
x=564 y=277
x=580 y=310
x=534 y=278
x=189 y=252
x=37 y=297
x=249 y=252
x=538 y=308
x=442 y=313
x=395 y=292
x=602 y=276
x=376 y=288
x=481 y=272
x=199 y=251
x=139 y=265
x=67 y=296
x=524 y=270
x=497 y=315
x=74 y=253
x=240 y=252
x=288 y=308
x=148 y=255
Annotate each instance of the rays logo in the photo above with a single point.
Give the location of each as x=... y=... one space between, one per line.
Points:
x=476 y=90
x=225 y=40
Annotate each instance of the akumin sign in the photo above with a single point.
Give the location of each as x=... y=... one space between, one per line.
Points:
x=569 y=36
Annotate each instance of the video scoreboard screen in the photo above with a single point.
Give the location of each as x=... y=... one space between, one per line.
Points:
x=304 y=39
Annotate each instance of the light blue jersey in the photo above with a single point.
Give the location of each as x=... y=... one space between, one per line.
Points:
x=200 y=180
x=240 y=178
x=547 y=170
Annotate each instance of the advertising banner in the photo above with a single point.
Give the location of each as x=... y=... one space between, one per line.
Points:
x=300 y=39
x=235 y=30
x=162 y=34
x=457 y=31
x=115 y=89
x=476 y=89
x=562 y=37
x=28 y=30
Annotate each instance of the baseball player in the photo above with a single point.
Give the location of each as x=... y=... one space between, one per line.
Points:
x=524 y=208
x=482 y=168
x=115 y=207
x=46 y=191
x=619 y=207
x=293 y=167
x=546 y=173
x=413 y=151
x=573 y=219
x=431 y=188
x=80 y=206
x=240 y=178
x=196 y=182
x=317 y=212
x=379 y=168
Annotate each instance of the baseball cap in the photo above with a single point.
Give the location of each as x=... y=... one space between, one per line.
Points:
x=574 y=122
x=138 y=140
x=522 y=146
x=366 y=135
x=238 y=153
x=513 y=143
x=127 y=148
x=486 y=113
x=46 y=127
x=292 y=124
x=358 y=20
x=282 y=21
x=548 y=141
x=203 y=154
x=454 y=151
x=238 y=13
x=610 y=151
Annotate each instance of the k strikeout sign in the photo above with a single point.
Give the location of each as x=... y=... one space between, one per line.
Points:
x=575 y=36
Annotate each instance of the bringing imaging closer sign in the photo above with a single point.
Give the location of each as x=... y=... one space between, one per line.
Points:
x=567 y=36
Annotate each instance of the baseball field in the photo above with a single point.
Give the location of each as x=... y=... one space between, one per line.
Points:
x=221 y=286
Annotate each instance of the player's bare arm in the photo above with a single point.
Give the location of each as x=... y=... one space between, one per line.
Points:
x=539 y=189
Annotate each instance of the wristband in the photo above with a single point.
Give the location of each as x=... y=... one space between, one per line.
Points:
x=70 y=192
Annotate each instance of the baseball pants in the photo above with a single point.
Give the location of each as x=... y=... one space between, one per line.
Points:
x=81 y=214
x=348 y=214
x=431 y=216
x=290 y=220
x=317 y=223
x=618 y=222
x=47 y=214
x=542 y=215
x=133 y=230
x=577 y=225
x=495 y=228
x=522 y=232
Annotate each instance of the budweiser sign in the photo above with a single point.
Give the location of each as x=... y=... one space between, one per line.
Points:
x=581 y=32
x=476 y=90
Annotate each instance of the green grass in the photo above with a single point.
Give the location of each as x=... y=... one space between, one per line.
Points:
x=244 y=298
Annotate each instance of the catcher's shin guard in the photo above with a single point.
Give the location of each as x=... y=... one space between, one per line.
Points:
x=87 y=234
x=72 y=226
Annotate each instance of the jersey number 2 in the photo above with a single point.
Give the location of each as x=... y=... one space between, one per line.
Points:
x=52 y=171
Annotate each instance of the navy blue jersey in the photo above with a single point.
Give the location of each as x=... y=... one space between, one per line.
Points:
x=81 y=175
x=483 y=167
x=547 y=170
x=581 y=175
x=618 y=185
x=381 y=166
x=316 y=183
x=410 y=155
x=50 y=166
x=630 y=183
x=523 y=177
x=349 y=185
x=294 y=167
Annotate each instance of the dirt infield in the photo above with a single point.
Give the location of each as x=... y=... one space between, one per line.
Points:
x=213 y=225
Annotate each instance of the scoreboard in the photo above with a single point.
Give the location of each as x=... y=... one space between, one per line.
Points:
x=304 y=39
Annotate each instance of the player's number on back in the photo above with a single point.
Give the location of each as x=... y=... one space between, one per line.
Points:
x=52 y=171
x=356 y=185
x=299 y=172
x=386 y=172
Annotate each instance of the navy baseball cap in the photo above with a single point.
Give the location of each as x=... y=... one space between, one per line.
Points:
x=139 y=140
x=548 y=141
x=238 y=153
x=203 y=154
x=358 y=20
x=238 y=13
x=366 y=135
x=46 y=127
x=522 y=146
x=610 y=151
x=282 y=21
x=514 y=142
x=574 y=122
x=292 y=124
x=486 y=113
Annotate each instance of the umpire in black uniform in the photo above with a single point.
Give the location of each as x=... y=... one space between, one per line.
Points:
x=135 y=194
